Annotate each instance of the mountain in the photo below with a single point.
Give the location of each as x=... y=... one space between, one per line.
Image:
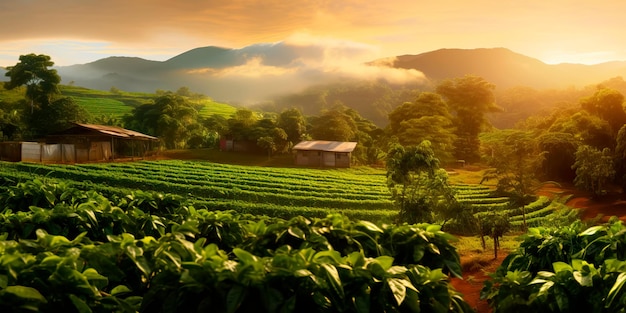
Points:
x=259 y=72
x=505 y=68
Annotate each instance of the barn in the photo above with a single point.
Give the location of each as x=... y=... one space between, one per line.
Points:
x=82 y=143
x=101 y=142
x=322 y=153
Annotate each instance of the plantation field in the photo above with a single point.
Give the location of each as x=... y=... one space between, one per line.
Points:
x=116 y=104
x=358 y=193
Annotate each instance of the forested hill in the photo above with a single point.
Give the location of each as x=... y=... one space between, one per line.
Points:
x=505 y=68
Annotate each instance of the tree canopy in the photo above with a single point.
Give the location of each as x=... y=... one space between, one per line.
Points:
x=470 y=98
x=33 y=71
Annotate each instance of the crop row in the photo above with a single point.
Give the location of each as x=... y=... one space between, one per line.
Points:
x=244 y=181
x=259 y=208
x=204 y=191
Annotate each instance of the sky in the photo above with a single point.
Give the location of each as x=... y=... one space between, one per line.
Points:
x=82 y=31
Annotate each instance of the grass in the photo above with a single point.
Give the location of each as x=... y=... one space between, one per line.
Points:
x=116 y=104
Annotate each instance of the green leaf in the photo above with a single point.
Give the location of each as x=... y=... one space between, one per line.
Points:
x=296 y=232
x=385 y=261
x=397 y=289
x=370 y=226
x=235 y=297
x=545 y=288
x=95 y=278
x=592 y=230
x=615 y=289
x=24 y=292
x=119 y=290
x=333 y=279
x=561 y=266
x=79 y=304
x=244 y=256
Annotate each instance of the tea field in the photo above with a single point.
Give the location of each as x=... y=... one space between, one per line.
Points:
x=358 y=193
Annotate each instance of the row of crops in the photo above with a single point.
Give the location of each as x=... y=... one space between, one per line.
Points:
x=279 y=192
x=543 y=211
x=63 y=249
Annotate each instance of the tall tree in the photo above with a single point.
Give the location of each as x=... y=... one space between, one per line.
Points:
x=417 y=184
x=33 y=71
x=470 y=98
x=585 y=127
x=241 y=124
x=334 y=125
x=293 y=123
x=594 y=169
x=514 y=159
x=620 y=157
x=558 y=149
x=607 y=104
x=427 y=118
x=170 y=117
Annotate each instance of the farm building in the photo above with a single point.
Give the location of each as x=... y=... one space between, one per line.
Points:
x=82 y=143
x=324 y=153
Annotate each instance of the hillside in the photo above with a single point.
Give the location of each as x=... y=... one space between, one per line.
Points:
x=115 y=104
x=506 y=69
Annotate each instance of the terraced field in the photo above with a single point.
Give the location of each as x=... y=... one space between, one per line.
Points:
x=359 y=193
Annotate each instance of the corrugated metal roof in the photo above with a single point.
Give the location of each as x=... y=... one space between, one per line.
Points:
x=116 y=131
x=321 y=145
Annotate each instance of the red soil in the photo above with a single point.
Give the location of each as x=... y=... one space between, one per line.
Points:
x=590 y=209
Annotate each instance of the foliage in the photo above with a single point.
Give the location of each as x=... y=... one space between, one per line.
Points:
x=594 y=169
x=558 y=155
x=335 y=125
x=418 y=187
x=147 y=252
x=562 y=270
x=427 y=118
x=33 y=71
x=514 y=158
x=170 y=117
x=607 y=104
x=470 y=98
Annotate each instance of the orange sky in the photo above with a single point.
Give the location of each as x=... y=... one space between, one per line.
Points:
x=80 y=31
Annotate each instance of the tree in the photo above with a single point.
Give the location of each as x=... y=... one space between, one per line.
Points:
x=417 y=184
x=334 y=125
x=470 y=98
x=586 y=128
x=241 y=123
x=514 y=159
x=293 y=123
x=267 y=143
x=558 y=150
x=41 y=82
x=594 y=169
x=56 y=116
x=170 y=117
x=620 y=157
x=427 y=118
x=607 y=104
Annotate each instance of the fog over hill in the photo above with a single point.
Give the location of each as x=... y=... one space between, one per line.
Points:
x=259 y=72
x=247 y=75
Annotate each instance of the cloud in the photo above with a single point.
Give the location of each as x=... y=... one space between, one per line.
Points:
x=324 y=59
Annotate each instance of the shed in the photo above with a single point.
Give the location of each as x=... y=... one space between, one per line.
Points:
x=324 y=153
x=89 y=142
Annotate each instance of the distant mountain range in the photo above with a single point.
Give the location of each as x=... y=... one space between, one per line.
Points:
x=255 y=73
x=506 y=68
